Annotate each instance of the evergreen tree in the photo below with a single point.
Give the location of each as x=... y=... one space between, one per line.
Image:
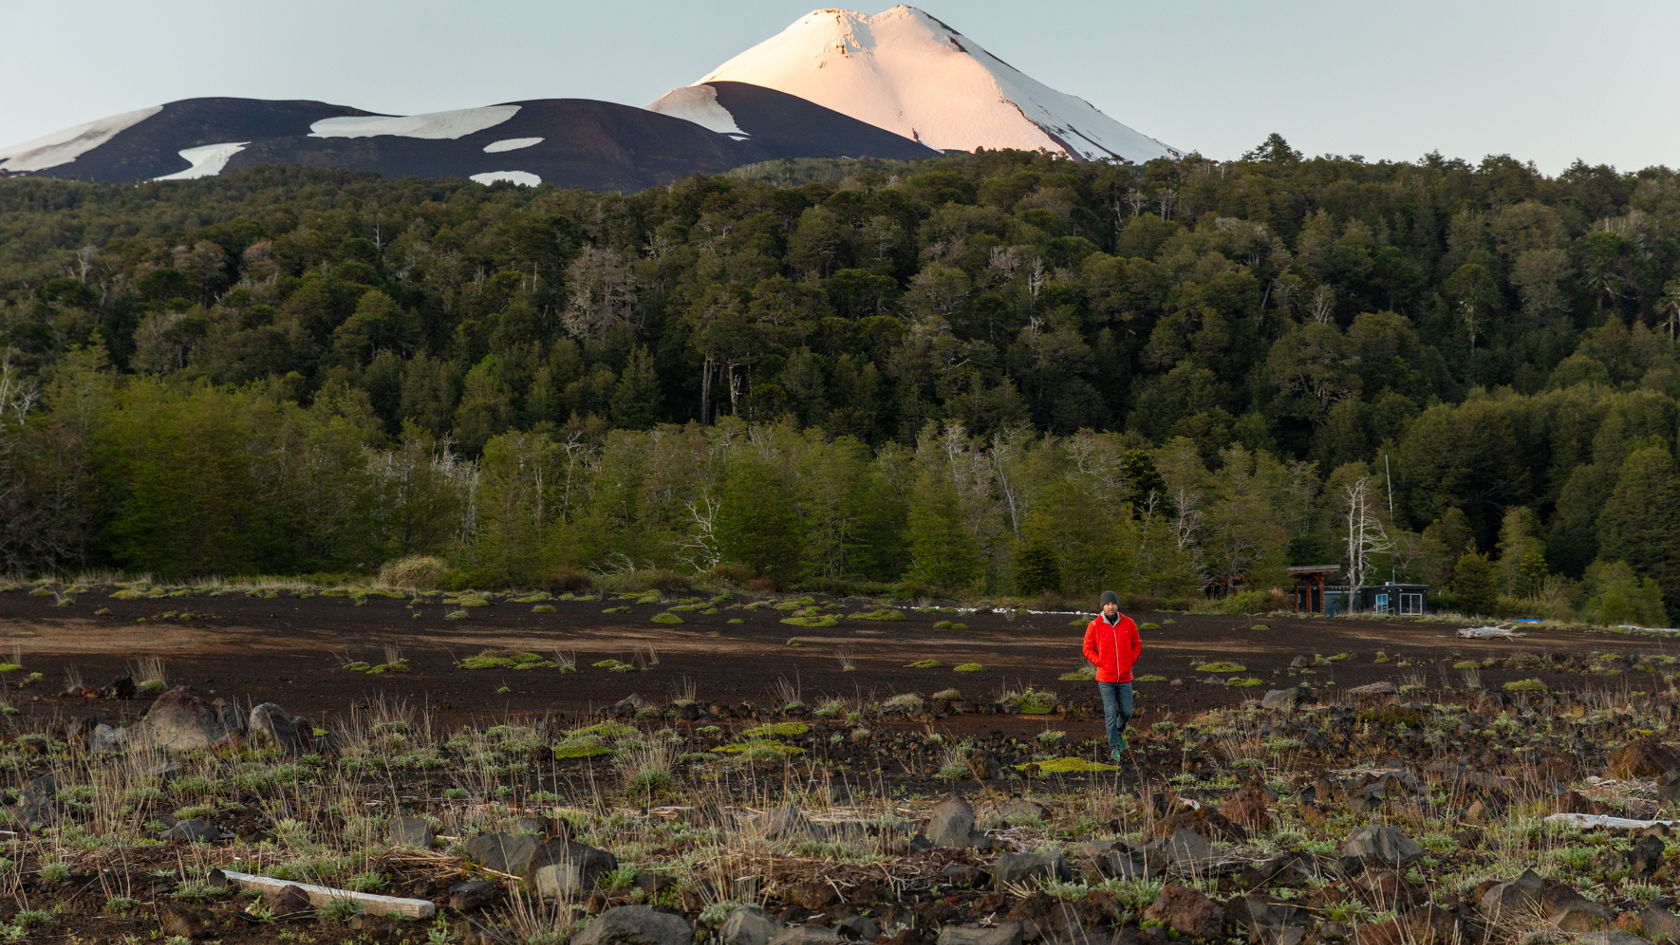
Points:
x=1640 y=524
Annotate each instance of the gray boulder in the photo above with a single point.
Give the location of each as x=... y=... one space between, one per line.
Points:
x=181 y=721
x=636 y=925
x=1281 y=700
x=194 y=830
x=1007 y=932
x=1018 y=867
x=106 y=738
x=1185 y=849
x=1384 y=844
x=1517 y=896
x=409 y=832
x=749 y=925
x=272 y=725
x=573 y=868
x=951 y=823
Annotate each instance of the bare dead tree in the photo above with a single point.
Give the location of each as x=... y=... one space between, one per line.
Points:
x=1366 y=535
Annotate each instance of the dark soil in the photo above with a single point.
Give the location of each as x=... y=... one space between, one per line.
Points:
x=293 y=651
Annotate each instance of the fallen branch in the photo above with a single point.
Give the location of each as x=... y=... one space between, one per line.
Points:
x=1610 y=823
x=321 y=896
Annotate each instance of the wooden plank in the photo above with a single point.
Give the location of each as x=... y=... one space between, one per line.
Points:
x=321 y=896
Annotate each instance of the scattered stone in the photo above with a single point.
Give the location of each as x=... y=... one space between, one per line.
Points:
x=271 y=725
x=628 y=706
x=37 y=804
x=815 y=895
x=473 y=895
x=1007 y=932
x=636 y=925
x=951 y=823
x=749 y=925
x=287 y=900
x=181 y=721
x=1384 y=844
x=1646 y=857
x=194 y=830
x=572 y=868
x=858 y=928
x=122 y=687
x=1249 y=807
x=106 y=738
x=1186 y=911
x=1374 y=693
x=408 y=831
x=962 y=876
x=1281 y=700
x=1186 y=849
x=1022 y=810
x=1642 y=758
x=1517 y=896
x=1660 y=924
x=1580 y=915
x=1018 y=867
x=806 y=935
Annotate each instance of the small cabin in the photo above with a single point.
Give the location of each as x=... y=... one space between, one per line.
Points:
x=1314 y=594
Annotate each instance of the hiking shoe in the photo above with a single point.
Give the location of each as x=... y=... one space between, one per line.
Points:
x=1116 y=754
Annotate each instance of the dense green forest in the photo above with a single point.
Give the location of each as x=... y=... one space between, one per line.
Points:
x=995 y=372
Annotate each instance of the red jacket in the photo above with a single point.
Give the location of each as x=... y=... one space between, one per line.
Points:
x=1113 y=649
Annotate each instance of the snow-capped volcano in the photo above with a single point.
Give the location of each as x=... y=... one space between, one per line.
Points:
x=906 y=72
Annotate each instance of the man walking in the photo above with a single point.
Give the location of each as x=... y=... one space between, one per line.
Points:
x=1112 y=645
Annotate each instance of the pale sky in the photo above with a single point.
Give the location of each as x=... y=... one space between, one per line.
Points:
x=1547 y=81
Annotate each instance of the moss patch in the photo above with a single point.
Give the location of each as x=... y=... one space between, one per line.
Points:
x=1069 y=766
x=814 y=620
x=777 y=730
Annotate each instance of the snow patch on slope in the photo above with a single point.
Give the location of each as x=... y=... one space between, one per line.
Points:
x=699 y=104
x=522 y=178
x=206 y=160
x=62 y=147
x=511 y=144
x=432 y=126
x=907 y=72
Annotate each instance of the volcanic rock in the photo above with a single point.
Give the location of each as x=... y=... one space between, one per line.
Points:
x=636 y=925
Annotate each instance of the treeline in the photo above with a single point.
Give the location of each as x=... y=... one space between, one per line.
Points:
x=889 y=377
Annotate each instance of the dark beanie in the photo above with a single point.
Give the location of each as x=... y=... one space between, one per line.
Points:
x=1109 y=597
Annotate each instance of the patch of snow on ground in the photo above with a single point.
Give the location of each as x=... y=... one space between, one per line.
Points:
x=1482 y=633
x=699 y=104
x=1638 y=628
x=431 y=126
x=511 y=144
x=522 y=178
x=207 y=160
x=62 y=147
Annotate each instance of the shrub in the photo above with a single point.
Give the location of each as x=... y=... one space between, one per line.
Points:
x=414 y=573
x=970 y=668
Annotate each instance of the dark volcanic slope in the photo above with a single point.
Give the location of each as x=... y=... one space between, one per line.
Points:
x=151 y=148
x=783 y=125
x=589 y=144
x=585 y=143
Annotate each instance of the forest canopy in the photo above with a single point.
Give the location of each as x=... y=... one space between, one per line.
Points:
x=996 y=372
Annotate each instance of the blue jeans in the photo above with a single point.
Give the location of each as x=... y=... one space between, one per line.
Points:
x=1117 y=709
